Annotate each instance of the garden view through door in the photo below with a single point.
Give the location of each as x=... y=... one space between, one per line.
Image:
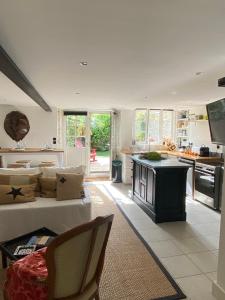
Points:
x=76 y=143
x=100 y=142
x=88 y=141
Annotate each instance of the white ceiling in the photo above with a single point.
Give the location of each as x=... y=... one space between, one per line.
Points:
x=139 y=52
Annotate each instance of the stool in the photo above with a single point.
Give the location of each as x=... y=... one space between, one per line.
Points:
x=47 y=164
x=17 y=165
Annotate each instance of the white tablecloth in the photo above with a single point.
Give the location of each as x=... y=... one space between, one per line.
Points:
x=59 y=216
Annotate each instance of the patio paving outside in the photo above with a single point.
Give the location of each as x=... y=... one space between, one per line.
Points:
x=102 y=162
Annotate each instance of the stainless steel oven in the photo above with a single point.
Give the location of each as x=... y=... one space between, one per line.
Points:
x=208 y=183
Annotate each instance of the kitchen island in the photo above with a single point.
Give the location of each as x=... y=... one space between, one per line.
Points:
x=159 y=188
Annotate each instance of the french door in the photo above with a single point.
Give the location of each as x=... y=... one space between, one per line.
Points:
x=88 y=140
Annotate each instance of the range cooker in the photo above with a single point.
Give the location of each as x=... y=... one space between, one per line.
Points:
x=208 y=183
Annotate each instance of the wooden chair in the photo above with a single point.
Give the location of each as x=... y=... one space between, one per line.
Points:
x=74 y=262
x=93 y=155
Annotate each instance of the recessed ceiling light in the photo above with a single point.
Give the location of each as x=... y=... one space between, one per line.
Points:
x=198 y=73
x=77 y=93
x=173 y=92
x=83 y=63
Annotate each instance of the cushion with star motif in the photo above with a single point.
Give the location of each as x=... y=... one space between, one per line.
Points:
x=17 y=179
x=10 y=194
x=48 y=187
x=69 y=186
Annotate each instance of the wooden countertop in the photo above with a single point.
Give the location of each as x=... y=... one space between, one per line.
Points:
x=29 y=150
x=175 y=153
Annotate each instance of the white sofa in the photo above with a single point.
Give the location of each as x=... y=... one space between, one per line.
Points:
x=59 y=216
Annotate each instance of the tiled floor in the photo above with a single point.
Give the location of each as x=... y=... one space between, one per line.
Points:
x=189 y=250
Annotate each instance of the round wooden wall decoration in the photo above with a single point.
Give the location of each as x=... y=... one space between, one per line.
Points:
x=16 y=125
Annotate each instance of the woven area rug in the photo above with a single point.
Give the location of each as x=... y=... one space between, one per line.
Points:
x=131 y=270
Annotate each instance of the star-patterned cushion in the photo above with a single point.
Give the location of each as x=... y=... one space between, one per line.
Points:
x=10 y=194
x=69 y=186
x=48 y=187
x=19 y=179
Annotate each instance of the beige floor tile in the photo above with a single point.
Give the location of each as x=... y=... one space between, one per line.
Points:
x=180 y=266
x=205 y=261
x=210 y=241
x=212 y=276
x=155 y=235
x=197 y=287
x=178 y=230
x=165 y=248
x=143 y=224
x=190 y=245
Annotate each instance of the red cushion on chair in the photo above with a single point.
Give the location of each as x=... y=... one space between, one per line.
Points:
x=21 y=282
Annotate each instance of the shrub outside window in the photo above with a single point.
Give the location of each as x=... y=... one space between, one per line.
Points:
x=153 y=126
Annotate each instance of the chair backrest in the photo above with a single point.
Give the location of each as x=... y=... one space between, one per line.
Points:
x=75 y=258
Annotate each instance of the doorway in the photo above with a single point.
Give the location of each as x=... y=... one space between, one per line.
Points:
x=100 y=142
x=88 y=141
x=76 y=143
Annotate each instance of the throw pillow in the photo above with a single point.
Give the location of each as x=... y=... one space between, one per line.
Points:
x=10 y=194
x=69 y=186
x=21 y=180
x=48 y=187
x=20 y=171
x=51 y=171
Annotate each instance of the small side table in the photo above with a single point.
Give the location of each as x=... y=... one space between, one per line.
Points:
x=7 y=248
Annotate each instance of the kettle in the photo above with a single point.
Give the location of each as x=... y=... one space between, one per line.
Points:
x=204 y=151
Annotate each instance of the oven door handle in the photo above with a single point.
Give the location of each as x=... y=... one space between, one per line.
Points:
x=204 y=173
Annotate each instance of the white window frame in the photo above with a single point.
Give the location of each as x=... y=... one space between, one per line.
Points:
x=146 y=141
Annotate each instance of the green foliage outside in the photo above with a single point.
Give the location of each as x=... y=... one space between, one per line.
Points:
x=75 y=129
x=103 y=153
x=100 y=131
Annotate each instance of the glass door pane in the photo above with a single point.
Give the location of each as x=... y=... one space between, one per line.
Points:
x=76 y=150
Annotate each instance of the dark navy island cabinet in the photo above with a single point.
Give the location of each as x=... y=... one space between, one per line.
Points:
x=160 y=188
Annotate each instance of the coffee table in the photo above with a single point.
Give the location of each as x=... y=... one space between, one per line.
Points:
x=7 y=248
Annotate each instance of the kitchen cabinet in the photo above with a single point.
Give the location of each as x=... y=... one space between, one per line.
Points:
x=159 y=188
x=126 y=169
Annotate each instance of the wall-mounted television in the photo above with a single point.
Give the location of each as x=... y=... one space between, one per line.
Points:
x=216 y=116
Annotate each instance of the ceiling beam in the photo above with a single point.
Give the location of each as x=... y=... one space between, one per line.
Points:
x=10 y=69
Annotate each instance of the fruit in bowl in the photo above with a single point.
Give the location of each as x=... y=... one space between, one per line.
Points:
x=151 y=156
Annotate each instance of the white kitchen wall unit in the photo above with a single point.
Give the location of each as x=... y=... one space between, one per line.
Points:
x=182 y=128
x=127 y=166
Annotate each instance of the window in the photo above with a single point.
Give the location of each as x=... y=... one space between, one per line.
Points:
x=153 y=126
x=140 y=125
x=75 y=130
x=167 y=124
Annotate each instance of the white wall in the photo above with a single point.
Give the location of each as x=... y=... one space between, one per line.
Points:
x=43 y=127
x=200 y=132
x=125 y=129
x=219 y=283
